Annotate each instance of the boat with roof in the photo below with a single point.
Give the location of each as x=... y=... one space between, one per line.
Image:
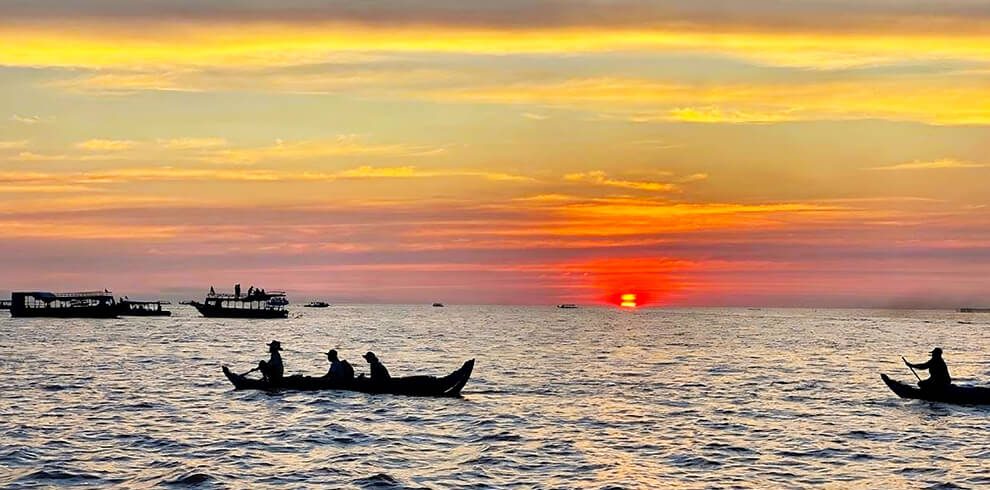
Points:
x=86 y=304
x=129 y=307
x=256 y=303
x=317 y=304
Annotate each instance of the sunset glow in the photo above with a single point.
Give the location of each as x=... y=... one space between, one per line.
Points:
x=628 y=301
x=687 y=153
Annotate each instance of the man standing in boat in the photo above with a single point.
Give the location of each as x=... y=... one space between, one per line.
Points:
x=938 y=372
x=273 y=370
x=340 y=370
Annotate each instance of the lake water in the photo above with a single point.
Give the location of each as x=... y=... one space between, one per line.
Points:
x=586 y=398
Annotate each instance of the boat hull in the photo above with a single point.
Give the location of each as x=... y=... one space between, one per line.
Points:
x=218 y=312
x=144 y=313
x=447 y=386
x=954 y=394
x=74 y=312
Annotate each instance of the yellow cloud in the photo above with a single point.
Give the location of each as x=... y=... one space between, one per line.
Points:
x=172 y=44
x=950 y=100
x=343 y=145
x=599 y=177
x=13 y=145
x=945 y=163
x=191 y=143
x=105 y=145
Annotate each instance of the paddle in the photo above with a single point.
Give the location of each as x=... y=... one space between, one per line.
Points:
x=249 y=372
x=911 y=368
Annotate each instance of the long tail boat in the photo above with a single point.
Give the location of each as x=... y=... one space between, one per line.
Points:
x=447 y=386
x=955 y=394
x=91 y=304
x=258 y=304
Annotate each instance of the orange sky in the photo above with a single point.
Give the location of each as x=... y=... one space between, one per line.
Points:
x=810 y=153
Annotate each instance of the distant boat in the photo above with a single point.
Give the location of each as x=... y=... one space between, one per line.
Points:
x=63 y=305
x=186 y=302
x=258 y=304
x=567 y=305
x=4 y=304
x=974 y=310
x=316 y=304
x=438 y=305
x=128 y=307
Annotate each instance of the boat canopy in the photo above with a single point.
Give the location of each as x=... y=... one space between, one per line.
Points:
x=47 y=296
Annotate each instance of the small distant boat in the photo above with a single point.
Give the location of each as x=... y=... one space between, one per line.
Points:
x=186 y=302
x=955 y=394
x=447 y=386
x=567 y=305
x=316 y=304
x=91 y=304
x=974 y=310
x=127 y=307
x=438 y=305
x=4 y=304
x=257 y=304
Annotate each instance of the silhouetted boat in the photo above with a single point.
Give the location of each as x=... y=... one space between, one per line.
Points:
x=63 y=305
x=447 y=386
x=127 y=307
x=567 y=305
x=186 y=302
x=959 y=395
x=974 y=310
x=316 y=304
x=4 y=304
x=438 y=305
x=255 y=305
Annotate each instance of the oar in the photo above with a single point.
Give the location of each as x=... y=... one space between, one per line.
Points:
x=249 y=372
x=911 y=368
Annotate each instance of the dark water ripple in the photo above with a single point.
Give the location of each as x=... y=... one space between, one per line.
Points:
x=588 y=398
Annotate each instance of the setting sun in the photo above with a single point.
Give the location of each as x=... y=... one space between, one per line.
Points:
x=628 y=301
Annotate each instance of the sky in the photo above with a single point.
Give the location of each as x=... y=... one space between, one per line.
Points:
x=823 y=153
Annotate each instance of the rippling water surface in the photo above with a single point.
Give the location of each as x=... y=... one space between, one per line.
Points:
x=587 y=398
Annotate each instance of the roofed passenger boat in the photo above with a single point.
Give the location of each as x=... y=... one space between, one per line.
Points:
x=128 y=307
x=90 y=304
x=256 y=304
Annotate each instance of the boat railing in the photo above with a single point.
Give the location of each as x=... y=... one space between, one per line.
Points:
x=243 y=296
x=82 y=294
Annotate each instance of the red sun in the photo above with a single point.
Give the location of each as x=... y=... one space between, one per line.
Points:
x=628 y=300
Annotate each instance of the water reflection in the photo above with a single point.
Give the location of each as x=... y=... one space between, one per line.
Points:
x=588 y=398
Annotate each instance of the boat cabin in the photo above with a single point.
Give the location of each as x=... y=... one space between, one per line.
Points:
x=91 y=304
x=129 y=307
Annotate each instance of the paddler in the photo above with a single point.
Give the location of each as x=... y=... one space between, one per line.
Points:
x=938 y=372
x=340 y=370
x=272 y=370
x=378 y=372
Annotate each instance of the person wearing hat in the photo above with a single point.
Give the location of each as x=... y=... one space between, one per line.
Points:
x=378 y=372
x=938 y=372
x=340 y=370
x=273 y=370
